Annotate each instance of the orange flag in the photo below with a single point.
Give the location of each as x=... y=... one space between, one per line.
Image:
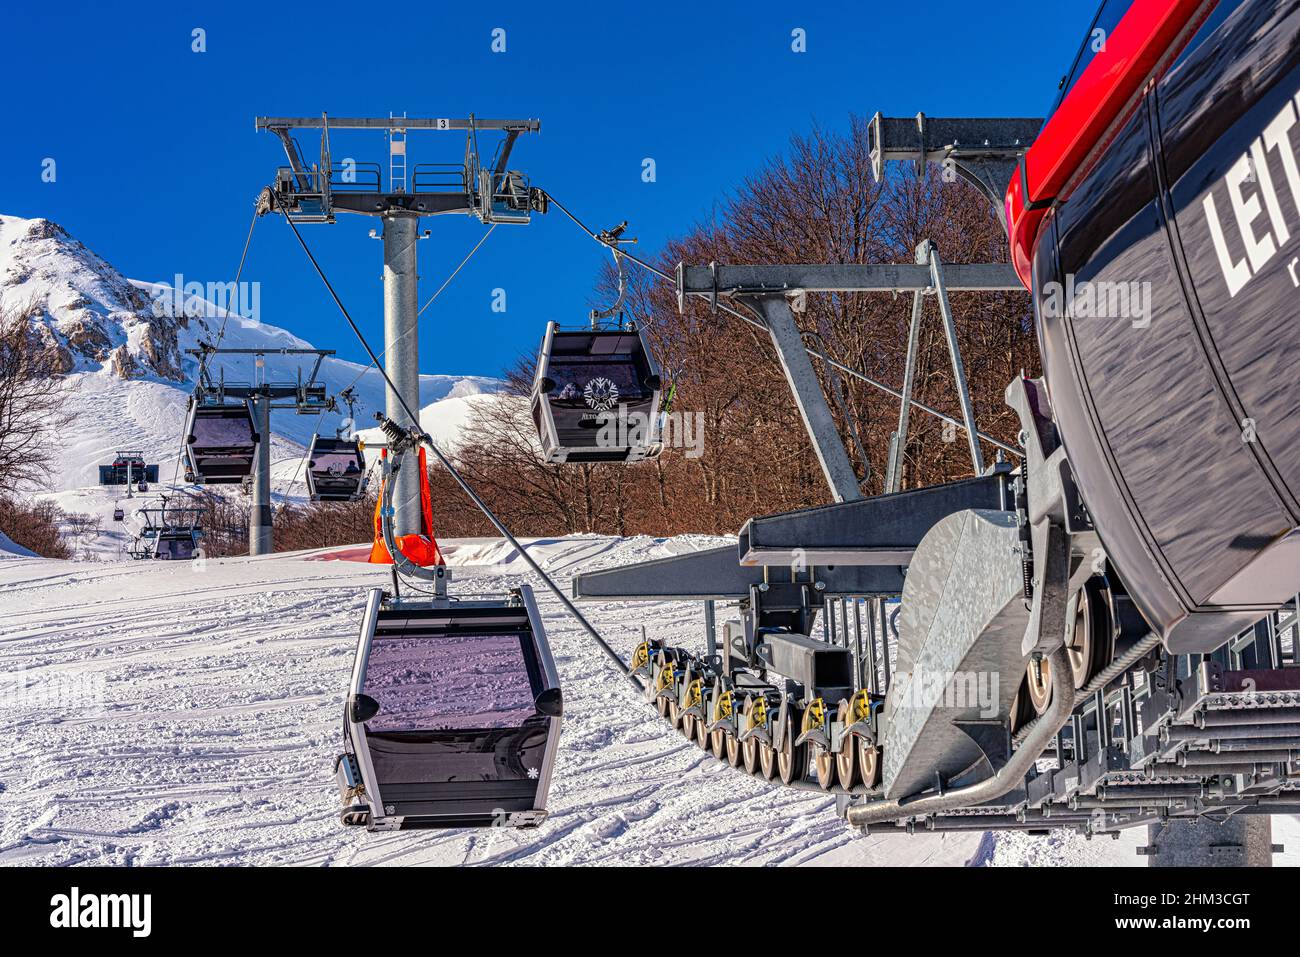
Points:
x=422 y=548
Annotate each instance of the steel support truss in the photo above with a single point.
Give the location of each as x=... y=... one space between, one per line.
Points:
x=772 y=291
x=984 y=152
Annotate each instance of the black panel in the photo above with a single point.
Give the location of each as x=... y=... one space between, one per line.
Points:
x=1213 y=108
x=409 y=763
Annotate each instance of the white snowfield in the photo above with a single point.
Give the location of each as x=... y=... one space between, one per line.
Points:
x=160 y=713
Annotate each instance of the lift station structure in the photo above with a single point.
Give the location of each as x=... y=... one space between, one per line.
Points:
x=488 y=190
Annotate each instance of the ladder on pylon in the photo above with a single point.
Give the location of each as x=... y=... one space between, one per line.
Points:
x=397 y=157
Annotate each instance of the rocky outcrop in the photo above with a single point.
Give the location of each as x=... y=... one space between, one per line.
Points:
x=51 y=353
x=123 y=363
x=87 y=339
x=159 y=346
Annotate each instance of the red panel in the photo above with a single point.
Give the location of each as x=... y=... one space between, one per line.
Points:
x=1141 y=46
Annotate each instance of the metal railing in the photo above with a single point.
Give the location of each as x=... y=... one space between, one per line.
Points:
x=439 y=178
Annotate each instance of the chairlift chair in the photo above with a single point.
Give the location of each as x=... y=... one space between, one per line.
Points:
x=596 y=396
x=336 y=469
x=220 y=443
x=176 y=544
x=453 y=715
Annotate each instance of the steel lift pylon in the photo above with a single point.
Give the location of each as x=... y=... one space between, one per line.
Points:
x=488 y=190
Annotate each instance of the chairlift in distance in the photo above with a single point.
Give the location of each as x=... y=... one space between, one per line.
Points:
x=127 y=468
x=169 y=534
x=176 y=543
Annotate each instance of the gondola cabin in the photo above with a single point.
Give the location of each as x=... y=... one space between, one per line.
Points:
x=178 y=544
x=220 y=443
x=453 y=715
x=1176 y=186
x=336 y=470
x=596 y=397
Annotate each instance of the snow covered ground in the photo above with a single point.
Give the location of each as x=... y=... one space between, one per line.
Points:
x=161 y=713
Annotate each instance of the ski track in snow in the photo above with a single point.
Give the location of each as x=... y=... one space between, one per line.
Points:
x=216 y=713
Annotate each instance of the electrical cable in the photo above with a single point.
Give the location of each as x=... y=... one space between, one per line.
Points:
x=447 y=282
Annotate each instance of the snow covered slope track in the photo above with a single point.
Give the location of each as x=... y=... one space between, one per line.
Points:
x=1104 y=634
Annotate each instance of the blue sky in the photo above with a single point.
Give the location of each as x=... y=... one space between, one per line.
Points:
x=158 y=161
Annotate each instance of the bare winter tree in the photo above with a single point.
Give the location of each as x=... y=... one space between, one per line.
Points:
x=31 y=406
x=35 y=526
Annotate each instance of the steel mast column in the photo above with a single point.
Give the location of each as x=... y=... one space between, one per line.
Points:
x=402 y=352
x=259 y=521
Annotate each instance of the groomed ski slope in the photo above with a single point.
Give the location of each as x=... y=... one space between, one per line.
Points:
x=160 y=713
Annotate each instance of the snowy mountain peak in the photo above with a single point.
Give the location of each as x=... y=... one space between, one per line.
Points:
x=83 y=312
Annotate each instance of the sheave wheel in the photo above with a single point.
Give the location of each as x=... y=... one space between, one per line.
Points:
x=1038 y=676
x=674 y=714
x=734 y=751
x=748 y=747
x=656 y=669
x=702 y=735
x=766 y=753
x=868 y=762
x=718 y=744
x=766 y=762
x=1022 y=711
x=1092 y=639
x=823 y=761
x=792 y=759
x=846 y=759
